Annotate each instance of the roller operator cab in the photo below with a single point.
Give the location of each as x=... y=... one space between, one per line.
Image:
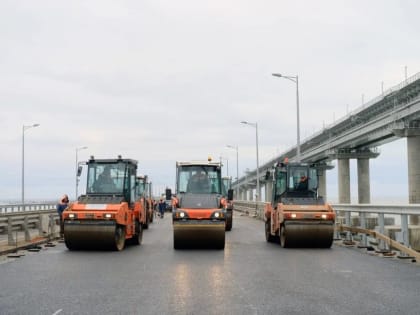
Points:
x=109 y=214
x=199 y=206
x=297 y=216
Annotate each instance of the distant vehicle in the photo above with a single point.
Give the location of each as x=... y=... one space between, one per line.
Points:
x=108 y=214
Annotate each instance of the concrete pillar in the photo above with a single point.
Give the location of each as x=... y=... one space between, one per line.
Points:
x=268 y=191
x=412 y=133
x=322 y=183
x=363 y=178
x=344 y=181
x=413 y=153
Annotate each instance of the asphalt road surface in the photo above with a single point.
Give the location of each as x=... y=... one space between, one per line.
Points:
x=249 y=277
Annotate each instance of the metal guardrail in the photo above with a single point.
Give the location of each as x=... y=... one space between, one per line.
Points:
x=354 y=219
x=26 y=207
x=43 y=220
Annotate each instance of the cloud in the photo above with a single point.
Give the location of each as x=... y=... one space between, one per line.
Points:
x=161 y=81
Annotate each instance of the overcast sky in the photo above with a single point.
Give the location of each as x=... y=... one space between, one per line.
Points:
x=162 y=80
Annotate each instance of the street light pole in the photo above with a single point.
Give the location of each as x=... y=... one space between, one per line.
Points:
x=237 y=168
x=24 y=128
x=294 y=79
x=258 y=166
x=77 y=168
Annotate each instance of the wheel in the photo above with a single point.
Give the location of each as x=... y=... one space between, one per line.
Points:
x=228 y=223
x=138 y=237
x=268 y=236
x=119 y=238
x=146 y=224
x=283 y=238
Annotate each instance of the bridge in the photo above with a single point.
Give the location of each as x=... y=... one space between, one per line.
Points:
x=250 y=276
x=393 y=114
x=372 y=267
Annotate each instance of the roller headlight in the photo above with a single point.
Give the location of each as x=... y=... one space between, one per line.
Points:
x=72 y=216
x=324 y=216
x=108 y=215
x=178 y=214
x=218 y=215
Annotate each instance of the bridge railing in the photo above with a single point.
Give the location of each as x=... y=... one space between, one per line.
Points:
x=27 y=207
x=25 y=225
x=378 y=221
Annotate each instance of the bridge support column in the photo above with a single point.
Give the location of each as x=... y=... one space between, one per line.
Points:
x=322 y=184
x=363 y=178
x=362 y=155
x=412 y=133
x=413 y=152
x=344 y=180
x=322 y=168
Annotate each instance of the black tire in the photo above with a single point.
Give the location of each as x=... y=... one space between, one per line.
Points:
x=228 y=226
x=283 y=237
x=138 y=237
x=119 y=237
x=146 y=224
x=268 y=236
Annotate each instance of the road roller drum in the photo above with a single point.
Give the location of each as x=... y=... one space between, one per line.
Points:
x=306 y=234
x=94 y=235
x=199 y=235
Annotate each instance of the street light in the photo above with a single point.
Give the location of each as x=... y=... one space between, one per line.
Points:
x=24 y=128
x=77 y=168
x=294 y=79
x=237 y=168
x=258 y=166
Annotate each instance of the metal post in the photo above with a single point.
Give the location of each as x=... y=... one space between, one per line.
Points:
x=255 y=125
x=237 y=172
x=24 y=128
x=298 y=121
x=362 y=216
x=26 y=229
x=381 y=222
x=404 y=232
x=258 y=165
x=23 y=167
x=294 y=79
